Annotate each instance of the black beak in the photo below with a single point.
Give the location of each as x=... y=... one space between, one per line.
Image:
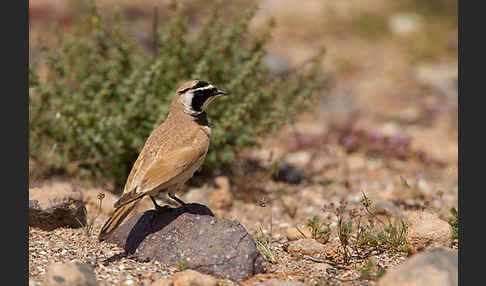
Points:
x=221 y=92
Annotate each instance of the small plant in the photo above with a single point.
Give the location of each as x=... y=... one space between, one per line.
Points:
x=371 y=271
x=416 y=193
x=263 y=241
x=344 y=225
x=358 y=238
x=274 y=169
x=88 y=227
x=263 y=204
x=454 y=223
x=263 y=245
x=182 y=264
x=320 y=230
x=405 y=182
x=392 y=237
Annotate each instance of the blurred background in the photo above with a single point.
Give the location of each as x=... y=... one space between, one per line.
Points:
x=387 y=109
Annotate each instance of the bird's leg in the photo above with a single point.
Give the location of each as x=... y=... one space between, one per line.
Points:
x=157 y=206
x=179 y=201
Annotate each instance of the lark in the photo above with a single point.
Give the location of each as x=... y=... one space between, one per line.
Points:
x=171 y=154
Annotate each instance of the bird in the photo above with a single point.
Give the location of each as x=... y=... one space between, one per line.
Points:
x=172 y=153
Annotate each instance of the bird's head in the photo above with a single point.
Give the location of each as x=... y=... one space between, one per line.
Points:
x=196 y=95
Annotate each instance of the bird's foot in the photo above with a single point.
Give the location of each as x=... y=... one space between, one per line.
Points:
x=179 y=201
x=159 y=207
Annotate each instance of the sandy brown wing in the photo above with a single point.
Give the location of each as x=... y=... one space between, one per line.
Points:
x=165 y=171
x=145 y=158
x=140 y=164
x=131 y=183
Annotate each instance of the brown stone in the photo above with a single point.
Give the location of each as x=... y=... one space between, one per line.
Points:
x=426 y=230
x=56 y=205
x=193 y=278
x=437 y=267
x=75 y=274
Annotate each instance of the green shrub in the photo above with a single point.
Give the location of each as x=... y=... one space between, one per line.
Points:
x=101 y=93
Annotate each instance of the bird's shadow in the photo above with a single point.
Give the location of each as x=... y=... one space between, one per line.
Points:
x=149 y=222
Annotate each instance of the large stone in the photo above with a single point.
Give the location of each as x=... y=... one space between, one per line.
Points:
x=426 y=230
x=56 y=205
x=437 y=267
x=75 y=274
x=193 y=236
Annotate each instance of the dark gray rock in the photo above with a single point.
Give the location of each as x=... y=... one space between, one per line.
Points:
x=54 y=206
x=193 y=236
x=437 y=267
x=289 y=173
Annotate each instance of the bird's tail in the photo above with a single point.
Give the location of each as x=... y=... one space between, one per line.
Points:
x=116 y=219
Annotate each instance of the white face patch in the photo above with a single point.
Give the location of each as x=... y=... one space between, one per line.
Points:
x=196 y=106
x=186 y=99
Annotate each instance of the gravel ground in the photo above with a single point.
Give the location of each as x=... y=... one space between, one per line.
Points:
x=110 y=265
